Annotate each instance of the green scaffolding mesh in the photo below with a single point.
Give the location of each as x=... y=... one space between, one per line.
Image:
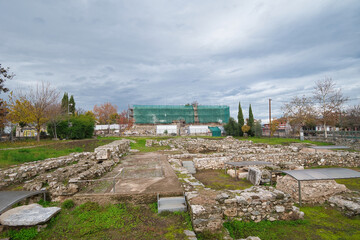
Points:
x=213 y=114
x=155 y=114
x=165 y=114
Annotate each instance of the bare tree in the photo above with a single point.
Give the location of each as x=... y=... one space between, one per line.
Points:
x=329 y=100
x=34 y=105
x=55 y=116
x=351 y=118
x=299 y=111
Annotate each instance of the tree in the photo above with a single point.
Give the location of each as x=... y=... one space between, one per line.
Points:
x=329 y=100
x=274 y=126
x=34 y=106
x=104 y=112
x=258 y=128
x=299 y=112
x=65 y=103
x=240 y=120
x=3 y=113
x=250 y=123
x=123 y=120
x=231 y=128
x=55 y=116
x=72 y=105
x=351 y=118
x=5 y=75
x=245 y=129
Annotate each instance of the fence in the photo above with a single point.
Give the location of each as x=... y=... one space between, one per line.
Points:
x=333 y=134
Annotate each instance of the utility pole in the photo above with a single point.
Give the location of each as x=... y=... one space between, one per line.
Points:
x=269 y=117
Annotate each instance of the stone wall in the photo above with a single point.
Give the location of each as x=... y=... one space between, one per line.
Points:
x=60 y=175
x=230 y=149
x=210 y=208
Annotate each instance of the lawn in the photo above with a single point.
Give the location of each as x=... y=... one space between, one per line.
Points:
x=218 y=180
x=140 y=143
x=25 y=143
x=320 y=222
x=118 y=221
x=19 y=156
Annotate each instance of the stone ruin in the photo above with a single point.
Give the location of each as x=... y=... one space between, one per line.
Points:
x=209 y=208
x=60 y=176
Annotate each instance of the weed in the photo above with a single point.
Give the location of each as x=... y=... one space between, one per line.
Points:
x=68 y=204
x=23 y=234
x=153 y=207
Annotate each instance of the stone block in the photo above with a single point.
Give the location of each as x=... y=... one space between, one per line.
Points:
x=254 y=176
x=28 y=215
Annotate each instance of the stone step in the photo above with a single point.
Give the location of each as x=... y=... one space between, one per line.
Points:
x=172 y=204
x=169 y=200
x=189 y=165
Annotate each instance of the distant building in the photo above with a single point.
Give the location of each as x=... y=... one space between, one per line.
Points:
x=187 y=114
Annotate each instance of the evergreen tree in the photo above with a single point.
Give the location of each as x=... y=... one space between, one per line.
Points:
x=231 y=127
x=251 y=122
x=72 y=105
x=240 y=120
x=64 y=103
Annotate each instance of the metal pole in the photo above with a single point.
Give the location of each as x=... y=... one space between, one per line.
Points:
x=299 y=184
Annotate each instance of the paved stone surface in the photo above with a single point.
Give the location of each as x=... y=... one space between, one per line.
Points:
x=28 y=215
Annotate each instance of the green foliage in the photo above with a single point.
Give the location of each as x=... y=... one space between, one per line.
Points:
x=81 y=126
x=258 y=129
x=65 y=103
x=207 y=235
x=240 y=120
x=23 y=234
x=232 y=128
x=250 y=122
x=68 y=203
x=72 y=105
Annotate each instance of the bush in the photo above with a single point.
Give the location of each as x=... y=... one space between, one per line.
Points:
x=67 y=204
x=77 y=127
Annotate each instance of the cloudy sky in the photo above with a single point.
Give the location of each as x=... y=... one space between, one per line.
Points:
x=176 y=52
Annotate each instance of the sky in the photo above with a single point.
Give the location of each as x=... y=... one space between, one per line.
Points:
x=178 y=52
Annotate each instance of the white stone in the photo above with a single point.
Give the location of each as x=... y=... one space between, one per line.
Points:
x=197 y=209
x=254 y=175
x=28 y=215
x=279 y=208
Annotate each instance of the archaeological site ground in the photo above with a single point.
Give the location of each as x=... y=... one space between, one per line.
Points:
x=179 y=188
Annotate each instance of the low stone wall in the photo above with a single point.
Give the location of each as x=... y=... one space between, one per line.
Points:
x=60 y=176
x=317 y=191
x=210 y=208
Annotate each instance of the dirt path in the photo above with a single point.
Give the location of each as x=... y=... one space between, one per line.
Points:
x=142 y=173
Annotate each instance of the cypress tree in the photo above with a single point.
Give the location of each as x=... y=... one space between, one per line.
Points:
x=251 y=122
x=240 y=120
x=64 y=103
x=72 y=105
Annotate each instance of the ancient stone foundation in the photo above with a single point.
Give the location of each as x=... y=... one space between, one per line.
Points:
x=60 y=175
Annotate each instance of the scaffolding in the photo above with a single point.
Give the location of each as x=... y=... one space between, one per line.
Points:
x=166 y=114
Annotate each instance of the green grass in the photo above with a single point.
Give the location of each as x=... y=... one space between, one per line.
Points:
x=140 y=143
x=119 y=221
x=19 y=156
x=62 y=148
x=25 y=143
x=320 y=222
x=218 y=180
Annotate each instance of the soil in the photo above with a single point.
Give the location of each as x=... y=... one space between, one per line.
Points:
x=142 y=173
x=218 y=180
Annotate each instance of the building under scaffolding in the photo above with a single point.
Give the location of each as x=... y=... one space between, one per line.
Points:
x=187 y=114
